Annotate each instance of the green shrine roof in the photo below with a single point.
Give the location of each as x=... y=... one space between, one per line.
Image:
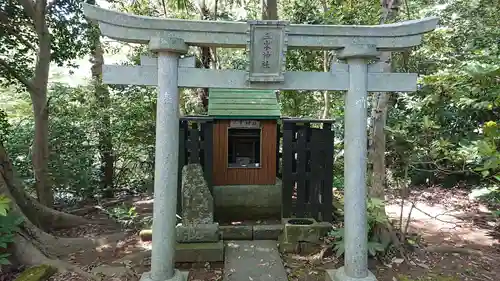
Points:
x=233 y=103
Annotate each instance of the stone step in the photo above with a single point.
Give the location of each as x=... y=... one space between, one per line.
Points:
x=251 y=232
x=257 y=260
x=199 y=252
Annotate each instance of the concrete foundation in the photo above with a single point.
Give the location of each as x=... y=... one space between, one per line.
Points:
x=178 y=276
x=340 y=275
x=247 y=202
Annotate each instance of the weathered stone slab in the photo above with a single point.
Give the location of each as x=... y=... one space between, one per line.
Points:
x=253 y=260
x=197 y=201
x=237 y=232
x=198 y=233
x=267 y=232
x=199 y=252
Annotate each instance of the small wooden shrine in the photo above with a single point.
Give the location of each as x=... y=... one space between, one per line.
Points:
x=245 y=136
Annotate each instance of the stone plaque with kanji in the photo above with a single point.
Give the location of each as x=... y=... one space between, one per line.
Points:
x=267 y=45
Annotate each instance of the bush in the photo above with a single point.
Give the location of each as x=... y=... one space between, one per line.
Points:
x=9 y=225
x=375 y=217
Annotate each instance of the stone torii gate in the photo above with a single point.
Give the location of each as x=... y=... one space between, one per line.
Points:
x=267 y=42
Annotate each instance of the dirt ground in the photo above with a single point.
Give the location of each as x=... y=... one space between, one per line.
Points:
x=447 y=220
x=459 y=236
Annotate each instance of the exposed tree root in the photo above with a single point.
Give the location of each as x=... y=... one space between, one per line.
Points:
x=314 y=257
x=32 y=245
x=27 y=253
x=38 y=214
x=456 y=250
x=86 y=210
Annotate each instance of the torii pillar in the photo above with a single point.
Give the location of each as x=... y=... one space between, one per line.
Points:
x=355 y=155
x=166 y=160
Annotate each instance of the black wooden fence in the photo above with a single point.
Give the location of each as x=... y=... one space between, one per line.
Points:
x=195 y=146
x=307 y=174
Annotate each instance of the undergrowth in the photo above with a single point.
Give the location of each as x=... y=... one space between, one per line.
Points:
x=9 y=225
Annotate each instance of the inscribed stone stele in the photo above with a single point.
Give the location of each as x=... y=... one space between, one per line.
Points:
x=197 y=201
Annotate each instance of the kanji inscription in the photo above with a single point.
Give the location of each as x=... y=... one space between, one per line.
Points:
x=267 y=47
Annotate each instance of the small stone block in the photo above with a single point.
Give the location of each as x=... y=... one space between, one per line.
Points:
x=306 y=232
x=267 y=232
x=168 y=44
x=340 y=275
x=237 y=232
x=286 y=247
x=199 y=252
x=324 y=227
x=198 y=233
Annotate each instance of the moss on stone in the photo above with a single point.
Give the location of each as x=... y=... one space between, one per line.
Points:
x=37 y=273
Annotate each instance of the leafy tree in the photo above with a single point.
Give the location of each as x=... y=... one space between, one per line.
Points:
x=34 y=34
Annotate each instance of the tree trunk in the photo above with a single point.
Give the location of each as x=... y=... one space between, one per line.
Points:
x=37 y=213
x=379 y=116
x=269 y=9
x=378 y=141
x=326 y=68
x=206 y=58
x=41 y=115
x=103 y=103
x=33 y=246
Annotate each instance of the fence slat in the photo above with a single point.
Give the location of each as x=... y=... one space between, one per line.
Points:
x=315 y=179
x=208 y=153
x=278 y=142
x=288 y=179
x=301 y=171
x=327 y=192
x=182 y=161
x=194 y=144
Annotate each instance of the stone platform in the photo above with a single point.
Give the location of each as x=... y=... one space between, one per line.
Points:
x=253 y=260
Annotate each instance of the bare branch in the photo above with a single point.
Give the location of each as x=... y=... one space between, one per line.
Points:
x=26 y=82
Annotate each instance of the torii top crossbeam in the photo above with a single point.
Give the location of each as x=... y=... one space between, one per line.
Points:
x=140 y=29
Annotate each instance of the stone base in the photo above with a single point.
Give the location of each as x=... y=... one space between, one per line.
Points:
x=236 y=232
x=339 y=275
x=198 y=233
x=267 y=231
x=178 y=276
x=199 y=252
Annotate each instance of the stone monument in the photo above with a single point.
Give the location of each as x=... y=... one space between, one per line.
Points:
x=267 y=41
x=198 y=237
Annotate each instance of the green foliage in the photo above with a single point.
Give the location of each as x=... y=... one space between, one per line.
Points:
x=74 y=148
x=445 y=132
x=374 y=217
x=18 y=44
x=9 y=224
x=127 y=216
x=4 y=126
